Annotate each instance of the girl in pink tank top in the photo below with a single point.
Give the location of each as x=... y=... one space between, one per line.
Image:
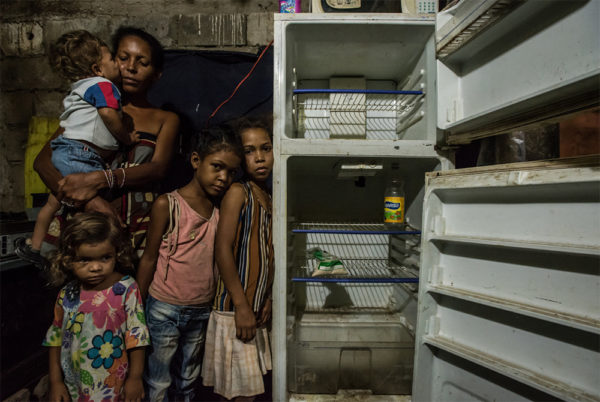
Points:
x=176 y=271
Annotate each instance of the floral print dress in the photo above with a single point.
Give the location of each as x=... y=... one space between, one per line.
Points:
x=94 y=330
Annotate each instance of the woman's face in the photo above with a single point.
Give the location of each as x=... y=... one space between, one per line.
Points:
x=134 y=57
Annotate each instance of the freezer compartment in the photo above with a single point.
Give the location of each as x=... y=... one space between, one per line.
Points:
x=357 y=78
x=331 y=352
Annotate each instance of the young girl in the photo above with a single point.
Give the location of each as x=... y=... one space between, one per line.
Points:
x=93 y=129
x=237 y=348
x=176 y=270
x=97 y=338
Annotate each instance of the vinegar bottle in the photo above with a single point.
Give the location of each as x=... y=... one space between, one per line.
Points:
x=393 y=209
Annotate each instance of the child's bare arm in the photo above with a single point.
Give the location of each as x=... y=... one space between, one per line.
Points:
x=58 y=389
x=134 y=387
x=114 y=123
x=245 y=321
x=159 y=219
x=44 y=167
x=264 y=315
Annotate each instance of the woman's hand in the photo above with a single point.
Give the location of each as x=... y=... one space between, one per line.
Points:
x=58 y=392
x=245 y=323
x=79 y=188
x=264 y=315
x=133 y=389
x=99 y=204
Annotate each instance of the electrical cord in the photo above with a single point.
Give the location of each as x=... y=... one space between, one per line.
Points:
x=240 y=83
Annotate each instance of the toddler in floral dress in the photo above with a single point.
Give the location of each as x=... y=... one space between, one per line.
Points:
x=97 y=338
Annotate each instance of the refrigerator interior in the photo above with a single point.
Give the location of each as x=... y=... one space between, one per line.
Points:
x=387 y=68
x=353 y=331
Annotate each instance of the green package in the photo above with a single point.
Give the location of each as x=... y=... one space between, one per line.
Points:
x=329 y=264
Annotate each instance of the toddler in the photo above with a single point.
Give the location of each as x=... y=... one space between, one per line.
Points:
x=97 y=338
x=92 y=123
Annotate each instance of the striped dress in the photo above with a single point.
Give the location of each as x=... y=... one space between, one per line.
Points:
x=253 y=253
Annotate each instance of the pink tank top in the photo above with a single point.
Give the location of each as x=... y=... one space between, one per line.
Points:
x=185 y=270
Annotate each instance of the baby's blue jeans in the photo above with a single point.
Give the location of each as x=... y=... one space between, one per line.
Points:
x=177 y=334
x=72 y=156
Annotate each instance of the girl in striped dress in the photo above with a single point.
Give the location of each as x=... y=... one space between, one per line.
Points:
x=237 y=351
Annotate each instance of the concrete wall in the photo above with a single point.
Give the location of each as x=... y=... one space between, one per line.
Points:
x=28 y=87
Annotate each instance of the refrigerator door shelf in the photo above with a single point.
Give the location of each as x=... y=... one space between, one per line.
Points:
x=509 y=302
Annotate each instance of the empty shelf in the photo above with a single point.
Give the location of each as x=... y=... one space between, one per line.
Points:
x=545 y=247
x=349 y=228
x=562 y=318
x=546 y=384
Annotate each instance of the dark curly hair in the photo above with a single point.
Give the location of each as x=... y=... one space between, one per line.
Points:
x=215 y=139
x=74 y=54
x=156 y=49
x=88 y=228
x=262 y=121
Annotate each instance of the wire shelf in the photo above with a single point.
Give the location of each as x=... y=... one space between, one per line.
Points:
x=351 y=298
x=351 y=228
x=370 y=114
x=359 y=271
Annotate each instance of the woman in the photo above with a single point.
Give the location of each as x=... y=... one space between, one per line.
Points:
x=140 y=59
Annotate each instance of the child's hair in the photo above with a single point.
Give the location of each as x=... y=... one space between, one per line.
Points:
x=215 y=139
x=74 y=54
x=88 y=228
x=246 y=122
x=156 y=49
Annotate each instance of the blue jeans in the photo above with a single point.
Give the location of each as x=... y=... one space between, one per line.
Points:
x=177 y=334
x=72 y=156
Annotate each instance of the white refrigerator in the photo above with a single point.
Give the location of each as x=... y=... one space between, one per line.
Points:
x=491 y=291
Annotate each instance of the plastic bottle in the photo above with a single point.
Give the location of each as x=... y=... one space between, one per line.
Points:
x=393 y=209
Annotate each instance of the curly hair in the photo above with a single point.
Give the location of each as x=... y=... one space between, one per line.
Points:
x=74 y=54
x=264 y=122
x=215 y=139
x=88 y=228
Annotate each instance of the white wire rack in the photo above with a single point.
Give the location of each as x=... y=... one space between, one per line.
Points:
x=349 y=298
x=367 y=270
x=349 y=228
x=364 y=249
x=356 y=114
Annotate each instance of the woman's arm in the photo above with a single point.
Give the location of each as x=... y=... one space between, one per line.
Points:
x=83 y=186
x=245 y=321
x=134 y=387
x=159 y=219
x=51 y=178
x=58 y=389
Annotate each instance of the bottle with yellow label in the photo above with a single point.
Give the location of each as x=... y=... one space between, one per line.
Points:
x=393 y=209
